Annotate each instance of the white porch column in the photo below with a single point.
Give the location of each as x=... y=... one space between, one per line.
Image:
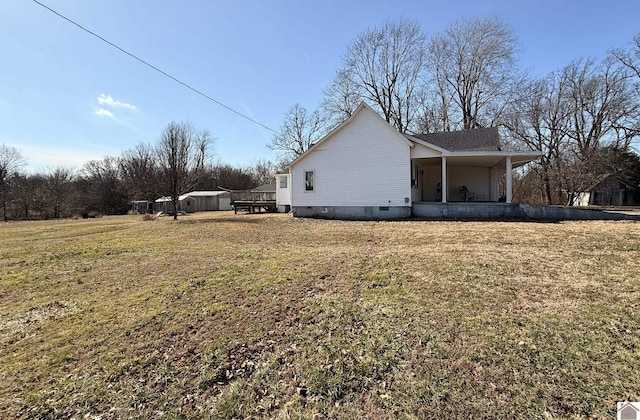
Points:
x=443 y=186
x=509 y=180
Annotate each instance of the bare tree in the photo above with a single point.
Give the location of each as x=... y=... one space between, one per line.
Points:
x=299 y=131
x=341 y=98
x=182 y=154
x=438 y=98
x=103 y=187
x=473 y=69
x=139 y=171
x=382 y=67
x=262 y=171
x=573 y=116
x=29 y=195
x=10 y=161
x=630 y=59
x=539 y=120
x=605 y=110
x=230 y=177
x=60 y=192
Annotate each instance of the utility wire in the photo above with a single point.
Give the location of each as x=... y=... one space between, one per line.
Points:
x=146 y=63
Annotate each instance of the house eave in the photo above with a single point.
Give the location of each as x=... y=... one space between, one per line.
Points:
x=503 y=153
x=488 y=159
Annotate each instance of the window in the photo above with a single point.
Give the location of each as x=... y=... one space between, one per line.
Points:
x=283 y=182
x=308 y=181
x=415 y=175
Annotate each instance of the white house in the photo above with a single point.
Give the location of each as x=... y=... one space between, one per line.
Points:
x=367 y=169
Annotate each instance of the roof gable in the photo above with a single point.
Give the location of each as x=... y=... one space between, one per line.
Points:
x=362 y=108
x=476 y=140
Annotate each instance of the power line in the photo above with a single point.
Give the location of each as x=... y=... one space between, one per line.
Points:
x=146 y=63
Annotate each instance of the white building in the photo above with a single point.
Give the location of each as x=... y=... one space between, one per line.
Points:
x=195 y=201
x=283 y=193
x=367 y=169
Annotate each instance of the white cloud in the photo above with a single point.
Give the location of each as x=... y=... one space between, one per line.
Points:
x=104 y=113
x=108 y=101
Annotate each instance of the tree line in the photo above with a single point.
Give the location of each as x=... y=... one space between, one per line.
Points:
x=585 y=117
x=180 y=161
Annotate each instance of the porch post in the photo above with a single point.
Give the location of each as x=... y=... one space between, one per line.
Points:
x=443 y=186
x=509 y=180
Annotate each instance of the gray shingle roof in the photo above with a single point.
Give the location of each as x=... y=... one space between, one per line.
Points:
x=266 y=188
x=480 y=139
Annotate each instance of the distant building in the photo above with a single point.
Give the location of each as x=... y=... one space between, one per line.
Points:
x=141 y=206
x=196 y=201
x=609 y=191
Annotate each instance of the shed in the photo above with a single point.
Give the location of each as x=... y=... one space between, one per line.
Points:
x=141 y=206
x=608 y=191
x=195 y=201
x=210 y=200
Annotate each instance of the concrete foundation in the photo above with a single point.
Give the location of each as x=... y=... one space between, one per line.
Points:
x=478 y=211
x=539 y=212
x=353 y=212
x=503 y=211
x=463 y=211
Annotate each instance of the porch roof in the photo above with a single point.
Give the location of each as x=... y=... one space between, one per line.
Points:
x=480 y=139
x=470 y=148
x=497 y=159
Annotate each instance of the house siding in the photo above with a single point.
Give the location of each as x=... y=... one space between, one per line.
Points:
x=365 y=164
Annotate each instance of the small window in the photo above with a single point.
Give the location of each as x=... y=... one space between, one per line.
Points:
x=283 y=182
x=308 y=181
x=415 y=175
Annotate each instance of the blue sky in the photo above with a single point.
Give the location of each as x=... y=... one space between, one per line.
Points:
x=67 y=98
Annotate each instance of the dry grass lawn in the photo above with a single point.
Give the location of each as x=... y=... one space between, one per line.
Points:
x=266 y=316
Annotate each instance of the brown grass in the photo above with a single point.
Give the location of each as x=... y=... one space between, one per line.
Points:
x=266 y=316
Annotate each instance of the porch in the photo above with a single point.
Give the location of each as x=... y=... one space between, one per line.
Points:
x=484 y=177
